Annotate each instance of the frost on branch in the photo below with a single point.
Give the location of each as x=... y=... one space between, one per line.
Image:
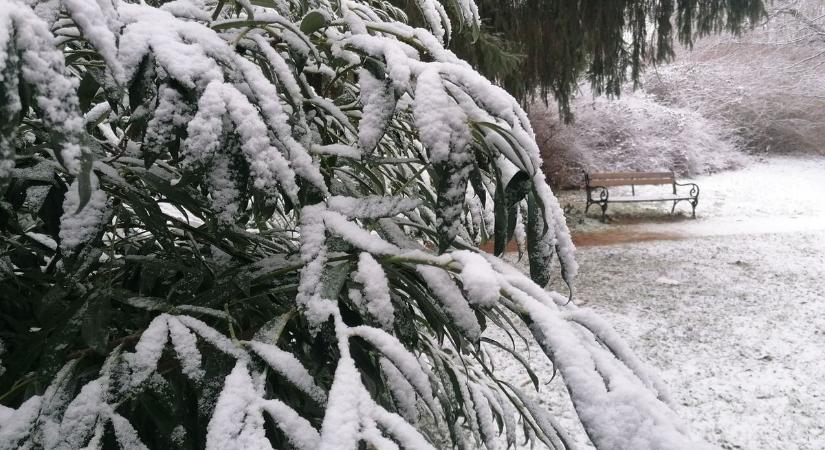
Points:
x=276 y=247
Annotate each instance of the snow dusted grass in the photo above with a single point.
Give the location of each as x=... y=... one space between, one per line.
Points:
x=731 y=313
x=735 y=325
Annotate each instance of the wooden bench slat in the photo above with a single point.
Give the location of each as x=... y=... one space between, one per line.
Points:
x=629 y=175
x=628 y=182
x=662 y=198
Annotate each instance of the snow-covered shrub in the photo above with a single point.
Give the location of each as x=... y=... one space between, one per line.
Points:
x=251 y=224
x=765 y=85
x=630 y=133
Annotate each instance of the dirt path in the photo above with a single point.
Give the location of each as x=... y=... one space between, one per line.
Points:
x=621 y=236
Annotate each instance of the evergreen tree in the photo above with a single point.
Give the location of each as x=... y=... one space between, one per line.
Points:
x=607 y=42
x=254 y=224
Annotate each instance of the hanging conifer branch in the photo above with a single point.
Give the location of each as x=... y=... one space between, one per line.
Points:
x=607 y=42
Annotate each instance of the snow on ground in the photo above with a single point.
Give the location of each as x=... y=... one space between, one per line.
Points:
x=730 y=308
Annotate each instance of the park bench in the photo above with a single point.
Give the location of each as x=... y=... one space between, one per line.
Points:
x=599 y=184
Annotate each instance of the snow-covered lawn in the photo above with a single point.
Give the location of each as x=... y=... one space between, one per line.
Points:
x=731 y=311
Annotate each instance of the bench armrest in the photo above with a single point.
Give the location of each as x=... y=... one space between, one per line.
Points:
x=694 y=188
x=603 y=193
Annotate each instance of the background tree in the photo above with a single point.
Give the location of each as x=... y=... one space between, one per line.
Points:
x=757 y=92
x=254 y=225
x=561 y=42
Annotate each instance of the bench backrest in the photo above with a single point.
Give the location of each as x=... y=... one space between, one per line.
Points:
x=629 y=178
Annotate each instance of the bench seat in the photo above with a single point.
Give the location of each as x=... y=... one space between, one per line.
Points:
x=657 y=198
x=600 y=183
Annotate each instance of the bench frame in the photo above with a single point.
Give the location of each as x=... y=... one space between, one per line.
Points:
x=599 y=182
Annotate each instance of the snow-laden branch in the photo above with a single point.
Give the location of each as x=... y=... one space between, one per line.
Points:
x=342 y=164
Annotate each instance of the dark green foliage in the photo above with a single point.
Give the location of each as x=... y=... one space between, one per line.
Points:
x=237 y=212
x=536 y=48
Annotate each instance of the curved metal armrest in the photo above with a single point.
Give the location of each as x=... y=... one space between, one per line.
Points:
x=694 y=188
x=603 y=193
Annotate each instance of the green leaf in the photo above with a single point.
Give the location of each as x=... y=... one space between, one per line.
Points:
x=500 y=212
x=313 y=22
x=334 y=279
x=518 y=187
x=264 y=3
x=87 y=90
x=84 y=181
x=147 y=303
x=512 y=220
x=62 y=337
x=271 y=331
x=142 y=85
x=567 y=281
x=217 y=12
x=375 y=67
x=188 y=282
x=539 y=253
x=95 y=331
x=478 y=184
x=152 y=217
x=533 y=377
x=505 y=206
